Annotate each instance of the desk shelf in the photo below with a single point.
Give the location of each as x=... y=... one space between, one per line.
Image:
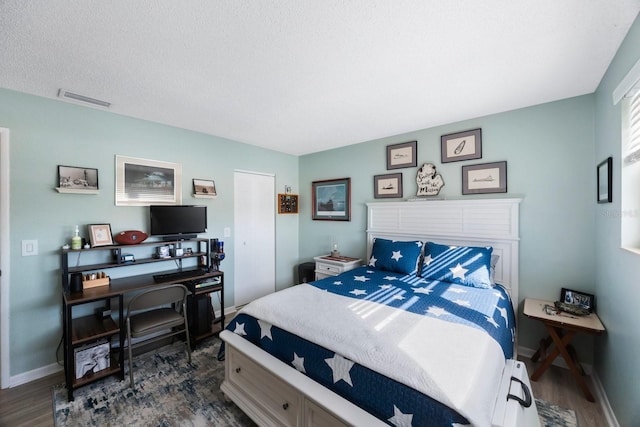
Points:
x=80 y=330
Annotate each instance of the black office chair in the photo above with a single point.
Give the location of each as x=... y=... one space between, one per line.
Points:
x=160 y=309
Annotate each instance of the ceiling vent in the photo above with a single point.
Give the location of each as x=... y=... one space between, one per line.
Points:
x=75 y=97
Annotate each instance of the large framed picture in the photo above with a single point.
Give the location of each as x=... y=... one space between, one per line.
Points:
x=77 y=179
x=484 y=178
x=579 y=298
x=143 y=182
x=459 y=146
x=387 y=186
x=605 y=175
x=100 y=235
x=331 y=199
x=402 y=155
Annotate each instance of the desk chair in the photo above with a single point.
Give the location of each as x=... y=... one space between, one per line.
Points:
x=160 y=309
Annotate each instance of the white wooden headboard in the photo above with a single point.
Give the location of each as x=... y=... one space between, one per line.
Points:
x=471 y=222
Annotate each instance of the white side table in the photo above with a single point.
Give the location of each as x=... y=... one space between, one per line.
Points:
x=327 y=265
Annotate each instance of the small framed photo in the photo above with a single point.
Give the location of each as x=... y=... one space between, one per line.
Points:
x=402 y=155
x=605 y=175
x=387 y=186
x=100 y=235
x=204 y=187
x=331 y=199
x=459 y=146
x=77 y=178
x=484 y=178
x=581 y=299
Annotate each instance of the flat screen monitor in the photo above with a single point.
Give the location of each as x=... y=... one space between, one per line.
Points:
x=177 y=221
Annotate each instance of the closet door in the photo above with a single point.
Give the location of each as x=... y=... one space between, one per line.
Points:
x=254 y=243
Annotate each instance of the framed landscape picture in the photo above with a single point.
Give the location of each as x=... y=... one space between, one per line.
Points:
x=402 y=155
x=143 y=182
x=387 y=186
x=331 y=199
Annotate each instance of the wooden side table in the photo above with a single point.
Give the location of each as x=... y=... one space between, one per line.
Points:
x=562 y=327
x=327 y=266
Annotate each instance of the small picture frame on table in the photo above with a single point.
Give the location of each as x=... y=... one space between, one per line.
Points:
x=387 y=186
x=100 y=235
x=579 y=298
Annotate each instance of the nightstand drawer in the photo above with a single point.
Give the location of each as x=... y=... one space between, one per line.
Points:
x=328 y=268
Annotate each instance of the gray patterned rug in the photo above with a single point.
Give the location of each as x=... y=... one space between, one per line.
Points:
x=170 y=392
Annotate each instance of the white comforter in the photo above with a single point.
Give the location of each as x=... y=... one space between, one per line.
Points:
x=457 y=365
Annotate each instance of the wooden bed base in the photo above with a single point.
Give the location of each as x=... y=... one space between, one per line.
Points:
x=274 y=394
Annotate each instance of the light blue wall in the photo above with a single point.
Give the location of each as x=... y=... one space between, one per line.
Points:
x=549 y=151
x=617 y=272
x=47 y=133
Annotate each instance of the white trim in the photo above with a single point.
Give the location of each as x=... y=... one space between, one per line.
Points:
x=627 y=83
x=255 y=172
x=36 y=374
x=5 y=358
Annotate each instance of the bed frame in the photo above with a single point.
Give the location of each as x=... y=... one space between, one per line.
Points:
x=275 y=394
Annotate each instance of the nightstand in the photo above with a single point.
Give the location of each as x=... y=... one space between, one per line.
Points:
x=327 y=266
x=561 y=327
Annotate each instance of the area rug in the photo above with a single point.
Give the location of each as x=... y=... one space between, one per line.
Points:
x=168 y=392
x=555 y=416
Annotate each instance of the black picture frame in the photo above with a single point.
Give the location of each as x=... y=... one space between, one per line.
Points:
x=331 y=200
x=604 y=186
x=579 y=298
x=484 y=178
x=387 y=186
x=77 y=178
x=402 y=155
x=455 y=147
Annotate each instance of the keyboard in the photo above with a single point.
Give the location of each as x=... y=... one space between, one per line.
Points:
x=179 y=275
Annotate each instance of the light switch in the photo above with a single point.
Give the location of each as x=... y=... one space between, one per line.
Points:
x=227 y=232
x=29 y=247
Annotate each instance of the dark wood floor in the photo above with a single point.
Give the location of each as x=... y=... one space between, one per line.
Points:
x=30 y=405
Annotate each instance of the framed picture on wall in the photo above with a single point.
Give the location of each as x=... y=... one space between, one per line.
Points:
x=605 y=175
x=484 y=178
x=387 y=186
x=459 y=146
x=204 y=188
x=331 y=199
x=402 y=155
x=143 y=182
x=75 y=179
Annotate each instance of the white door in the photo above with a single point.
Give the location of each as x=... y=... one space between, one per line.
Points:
x=255 y=233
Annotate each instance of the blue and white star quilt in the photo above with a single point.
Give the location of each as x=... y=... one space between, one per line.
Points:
x=443 y=343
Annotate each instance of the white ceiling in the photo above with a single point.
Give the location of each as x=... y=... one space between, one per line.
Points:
x=301 y=76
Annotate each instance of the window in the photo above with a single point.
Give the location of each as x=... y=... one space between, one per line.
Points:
x=629 y=88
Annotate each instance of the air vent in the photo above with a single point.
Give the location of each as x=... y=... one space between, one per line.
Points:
x=75 y=97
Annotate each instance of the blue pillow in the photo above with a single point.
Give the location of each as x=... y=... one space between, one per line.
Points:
x=464 y=265
x=396 y=256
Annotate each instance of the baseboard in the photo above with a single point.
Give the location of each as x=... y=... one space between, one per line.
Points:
x=598 y=389
x=36 y=374
x=601 y=396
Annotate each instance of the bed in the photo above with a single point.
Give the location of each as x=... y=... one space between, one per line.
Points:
x=423 y=334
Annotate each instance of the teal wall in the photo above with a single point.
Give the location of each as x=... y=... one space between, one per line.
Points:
x=46 y=133
x=617 y=270
x=549 y=151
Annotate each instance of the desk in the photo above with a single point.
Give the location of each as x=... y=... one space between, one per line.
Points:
x=561 y=327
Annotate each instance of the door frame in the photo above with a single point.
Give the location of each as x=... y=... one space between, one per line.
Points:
x=5 y=263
